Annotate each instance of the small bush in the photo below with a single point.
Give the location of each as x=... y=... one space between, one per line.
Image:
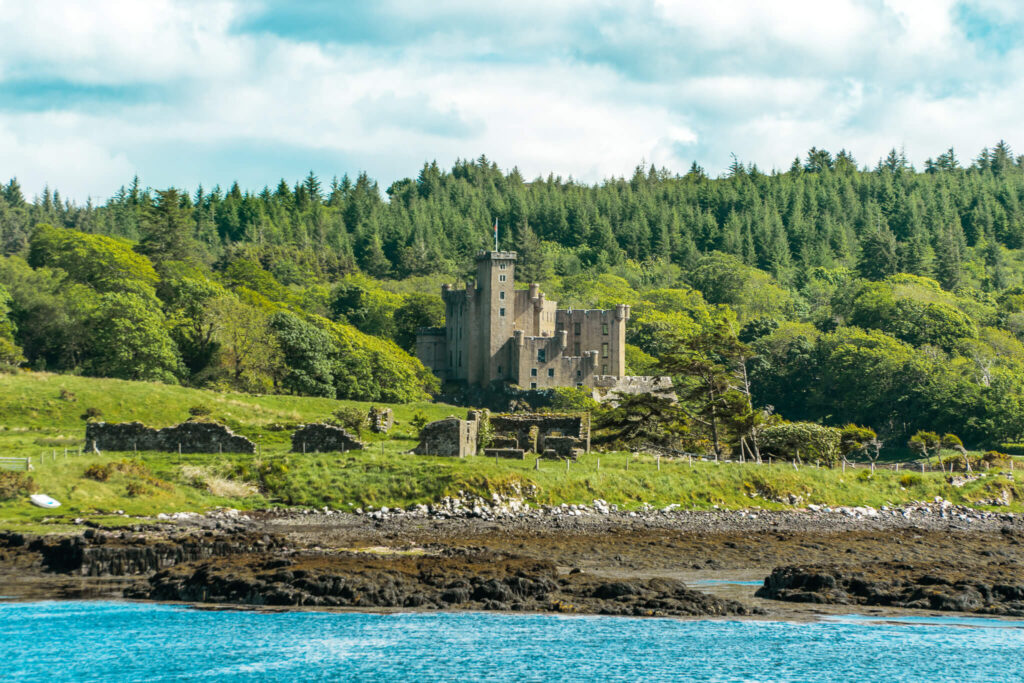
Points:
x=68 y=396
x=910 y=479
x=419 y=420
x=136 y=489
x=200 y=410
x=996 y=459
x=15 y=485
x=97 y=472
x=92 y=413
x=572 y=399
x=351 y=418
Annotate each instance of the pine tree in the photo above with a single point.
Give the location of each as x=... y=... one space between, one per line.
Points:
x=167 y=231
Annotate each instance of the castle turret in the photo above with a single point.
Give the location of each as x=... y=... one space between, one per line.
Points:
x=495 y=322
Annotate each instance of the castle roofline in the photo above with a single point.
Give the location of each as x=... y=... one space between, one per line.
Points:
x=495 y=255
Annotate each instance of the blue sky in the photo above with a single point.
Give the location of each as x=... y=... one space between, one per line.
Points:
x=183 y=92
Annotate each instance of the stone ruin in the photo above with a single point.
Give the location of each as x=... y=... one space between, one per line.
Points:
x=449 y=437
x=189 y=437
x=551 y=436
x=324 y=438
x=381 y=420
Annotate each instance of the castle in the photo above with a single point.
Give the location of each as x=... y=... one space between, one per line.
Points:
x=496 y=333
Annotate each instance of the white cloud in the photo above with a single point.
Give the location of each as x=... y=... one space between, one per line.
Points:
x=584 y=89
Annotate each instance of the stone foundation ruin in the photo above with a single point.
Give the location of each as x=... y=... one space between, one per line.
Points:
x=324 y=438
x=449 y=437
x=189 y=437
x=553 y=436
x=381 y=420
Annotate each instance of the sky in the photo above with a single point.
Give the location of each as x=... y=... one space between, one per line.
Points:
x=183 y=92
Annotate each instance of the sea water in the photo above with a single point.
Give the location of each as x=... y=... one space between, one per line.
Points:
x=113 y=641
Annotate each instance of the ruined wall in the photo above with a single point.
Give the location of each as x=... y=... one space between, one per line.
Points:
x=381 y=420
x=562 y=447
x=432 y=350
x=506 y=453
x=606 y=387
x=322 y=438
x=191 y=437
x=574 y=426
x=449 y=437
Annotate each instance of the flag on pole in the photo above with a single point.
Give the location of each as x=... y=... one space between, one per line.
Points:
x=495 y=234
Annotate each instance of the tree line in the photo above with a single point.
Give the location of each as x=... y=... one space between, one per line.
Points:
x=889 y=297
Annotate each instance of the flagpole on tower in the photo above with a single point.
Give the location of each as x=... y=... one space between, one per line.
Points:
x=495 y=234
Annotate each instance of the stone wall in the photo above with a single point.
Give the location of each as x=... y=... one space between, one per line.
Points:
x=562 y=447
x=607 y=386
x=322 y=438
x=450 y=437
x=458 y=438
x=507 y=453
x=575 y=426
x=191 y=437
x=381 y=420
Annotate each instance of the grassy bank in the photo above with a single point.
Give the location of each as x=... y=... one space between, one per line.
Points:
x=39 y=418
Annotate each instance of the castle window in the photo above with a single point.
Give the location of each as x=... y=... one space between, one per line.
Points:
x=501 y=312
x=551 y=372
x=579 y=385
x=576 y=330
x=501 y=294
x=604 y=369
x=579 y=373
x=501 y=278
x=604 y=350
x=576 y=349
x=533 y=372
x=542 y=355
x=502 y=265
x=533 y=385
x=604 y=328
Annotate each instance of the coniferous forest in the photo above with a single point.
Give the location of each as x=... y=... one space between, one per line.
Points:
x=890 y=297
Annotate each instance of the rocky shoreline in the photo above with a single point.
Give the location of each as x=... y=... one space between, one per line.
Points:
x=501 y=555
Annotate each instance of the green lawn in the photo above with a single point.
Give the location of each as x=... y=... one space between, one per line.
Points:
x=37 y=422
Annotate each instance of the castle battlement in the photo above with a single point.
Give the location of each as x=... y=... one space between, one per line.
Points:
x=494 y=332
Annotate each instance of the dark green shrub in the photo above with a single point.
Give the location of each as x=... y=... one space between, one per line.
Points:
x=15 y=485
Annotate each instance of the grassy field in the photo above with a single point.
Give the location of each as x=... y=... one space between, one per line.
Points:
x=40 y=418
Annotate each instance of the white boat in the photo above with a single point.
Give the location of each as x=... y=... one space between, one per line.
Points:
x=42 y=501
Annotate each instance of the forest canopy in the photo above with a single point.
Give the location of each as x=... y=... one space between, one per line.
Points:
x=887 y=296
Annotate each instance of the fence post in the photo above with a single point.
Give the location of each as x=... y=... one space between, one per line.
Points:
x=599 y=463
x=844 y=467
x=536 y=463
x=627 y=463
x=658 y=457
x=897 y=467
x=922 y=468
x=567 y=464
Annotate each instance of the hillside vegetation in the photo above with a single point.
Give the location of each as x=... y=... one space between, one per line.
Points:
x=40 y=418
x=886 y=298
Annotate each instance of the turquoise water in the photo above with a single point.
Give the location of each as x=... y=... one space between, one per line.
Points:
x=110 y=641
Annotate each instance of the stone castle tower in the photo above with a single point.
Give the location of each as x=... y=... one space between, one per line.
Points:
x=494 y=332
